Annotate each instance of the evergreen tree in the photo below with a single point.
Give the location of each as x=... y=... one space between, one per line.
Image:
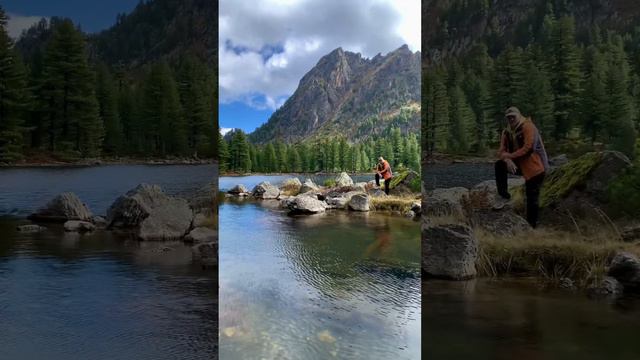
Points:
x=106 y=93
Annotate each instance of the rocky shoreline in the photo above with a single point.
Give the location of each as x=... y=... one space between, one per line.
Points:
x=580 y=244
x=308 y=198
x=101 y=162
x=145 y=213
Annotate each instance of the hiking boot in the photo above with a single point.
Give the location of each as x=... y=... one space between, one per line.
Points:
x=500 y=202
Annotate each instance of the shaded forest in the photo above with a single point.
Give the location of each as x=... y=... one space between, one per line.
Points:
x=57 y=101
x=580 y=87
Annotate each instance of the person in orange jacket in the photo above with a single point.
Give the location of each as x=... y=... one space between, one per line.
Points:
x=521 y=152
x=383 y=170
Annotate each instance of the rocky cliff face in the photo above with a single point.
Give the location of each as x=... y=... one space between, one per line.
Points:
x=450 y=27
x=344 y=92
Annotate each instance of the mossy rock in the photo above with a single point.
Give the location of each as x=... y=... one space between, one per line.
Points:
x=563 y=180
x=407 y=178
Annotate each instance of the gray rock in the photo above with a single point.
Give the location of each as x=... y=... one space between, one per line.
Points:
x=608 y=287
x=201 y=235
x=449 y=252
x=377 y=193
x=566 y=283
x=202 y=219
x=339 y=200
x=30 y=228
x=291 y=186
x=631 y=233
x=238 y=189
x=305 y=204
x=343 y=180
x=307 y=186
x=151 y=213
x=559 y=160
x=359 y=202
x=445 y=202
x=99 y=221
x=265 y=190
x=503 y=222
x=625 y=268
x=416 y=207
x=78 y=226
x=490 y=185
x=66 y=206
x=361 y=186
x=205 y=254
x=410 y=214
x=205 y=198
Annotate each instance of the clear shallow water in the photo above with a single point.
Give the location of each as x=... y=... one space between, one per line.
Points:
x=518 y=319
x=319 y=287
x=251 y=181
x=100 y=295
x=23 y=190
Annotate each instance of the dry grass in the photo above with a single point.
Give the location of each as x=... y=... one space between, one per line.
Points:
x=393 y=203
x=550 y=254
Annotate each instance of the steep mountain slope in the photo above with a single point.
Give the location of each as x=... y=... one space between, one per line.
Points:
x=450 y=27
x=351 y=96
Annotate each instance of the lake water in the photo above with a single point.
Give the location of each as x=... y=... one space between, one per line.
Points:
x=100 y=295
x=337 y=285
x=520 y=319
x=23 y=190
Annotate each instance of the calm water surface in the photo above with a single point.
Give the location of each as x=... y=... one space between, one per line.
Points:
x=100 y=295
x=519 y=319
x=317 y=287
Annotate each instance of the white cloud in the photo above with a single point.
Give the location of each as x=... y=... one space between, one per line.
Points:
x=18 y=23
x=267 y=46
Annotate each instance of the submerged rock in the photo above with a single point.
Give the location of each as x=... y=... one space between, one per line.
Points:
x=66 y=206
x=305 y=204
x=151 y=213
x=359 y=202
x=265 y=190
x=606 y=287
x=449 y=252
x=32 y=228
x=343 y=180
x=78 y=226
x=205 y=254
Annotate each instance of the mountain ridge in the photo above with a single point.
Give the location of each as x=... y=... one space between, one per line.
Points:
x=344 y=90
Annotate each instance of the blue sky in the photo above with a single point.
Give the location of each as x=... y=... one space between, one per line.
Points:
x=93 y=16
x=266 y=46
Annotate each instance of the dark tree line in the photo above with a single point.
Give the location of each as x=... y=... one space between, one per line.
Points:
x=577 y=92
x=238 y=154
x=60 y=103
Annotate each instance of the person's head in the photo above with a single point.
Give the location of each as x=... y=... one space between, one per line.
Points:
x=513 y=117
x=380 y=159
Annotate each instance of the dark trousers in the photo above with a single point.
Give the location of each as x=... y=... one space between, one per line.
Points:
x=532 y=190
x=386 y=183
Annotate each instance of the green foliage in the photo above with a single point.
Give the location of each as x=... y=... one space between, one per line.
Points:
x=624 y=192
x=330 y=183
x=564 y=179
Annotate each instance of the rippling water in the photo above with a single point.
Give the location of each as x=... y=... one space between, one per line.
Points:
x=100 y=295
x=318 y=287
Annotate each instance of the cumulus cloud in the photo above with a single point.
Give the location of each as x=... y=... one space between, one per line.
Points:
x=267 y=46
x=18 y=23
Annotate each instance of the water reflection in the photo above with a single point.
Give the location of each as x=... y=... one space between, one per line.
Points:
x=510 y=319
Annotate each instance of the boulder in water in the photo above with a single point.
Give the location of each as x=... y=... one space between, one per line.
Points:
x=66 y=206
x=151 y=213
x=201 y=235
x=78 y=226
x=308 y=185
x=291 y=186
x=625 y=267
x=343 y=179
x=359 y=202
x=265 y=190
x=306 y=204
x=238 y=190
x=449 y=252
